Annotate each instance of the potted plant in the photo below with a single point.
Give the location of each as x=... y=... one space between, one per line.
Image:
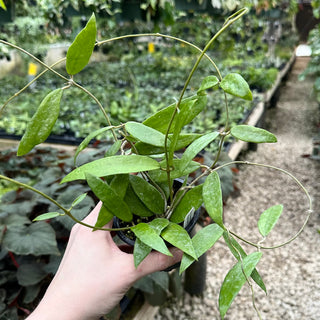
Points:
x=136 y=180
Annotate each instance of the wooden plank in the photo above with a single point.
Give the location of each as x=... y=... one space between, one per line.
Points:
x=147 y=312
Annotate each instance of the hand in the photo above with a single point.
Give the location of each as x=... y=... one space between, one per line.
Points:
x=94 y=275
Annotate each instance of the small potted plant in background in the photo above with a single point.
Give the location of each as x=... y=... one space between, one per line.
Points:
x=142 y=181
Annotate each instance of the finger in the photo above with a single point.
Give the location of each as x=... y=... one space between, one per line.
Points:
x=92 y=217
x=157 y=261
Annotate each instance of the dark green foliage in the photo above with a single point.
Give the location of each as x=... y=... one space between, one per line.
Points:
x=31 y=251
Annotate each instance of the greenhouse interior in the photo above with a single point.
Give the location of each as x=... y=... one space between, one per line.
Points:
x=160 y=159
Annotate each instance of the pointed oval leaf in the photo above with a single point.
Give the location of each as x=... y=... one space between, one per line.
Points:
x=179 y=238
x=192 y=199
x=135 y=204
x=42 y=122
x=235 y=249
x=159 y=224
x=119 y=184
x=109 y=198
x=208 y=83
x=161 y=119
x=202 y=241
x=79 y=199
x=46 y=216
x=183 y=141
x=140 y=251
x=235 y=279
x=148 y=194
x=253 y=134
x=149 y=236
x=87 y=140
x=196 y=146
x=113 y=149
x=212 y=197
x=233 y=83
x=182 y=118
x=81 y=49
x=145 y=134
x=37 y=239
x=104 y=217
x=269 y=218
x=177 y=172
x=113 y=165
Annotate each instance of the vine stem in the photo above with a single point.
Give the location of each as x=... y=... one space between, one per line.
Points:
x=309 y=211
x=203 y=53
x=35 y=58
x=253 y=299
x=160 y=35
x=30 y=83
x=68 y=80
x=66 y=211
x=228 y=22
x=98 y=103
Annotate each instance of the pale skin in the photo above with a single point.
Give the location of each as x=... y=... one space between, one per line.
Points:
x=94 y=275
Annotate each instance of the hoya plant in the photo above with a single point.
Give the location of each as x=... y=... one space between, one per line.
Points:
x=142 y=178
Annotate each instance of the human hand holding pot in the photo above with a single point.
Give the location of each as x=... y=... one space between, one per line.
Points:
x=94 y=275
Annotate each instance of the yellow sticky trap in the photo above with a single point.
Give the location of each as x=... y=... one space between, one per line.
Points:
x=151 y=48
x=32 y=69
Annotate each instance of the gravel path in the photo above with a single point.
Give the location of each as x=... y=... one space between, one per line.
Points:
x=291 y=273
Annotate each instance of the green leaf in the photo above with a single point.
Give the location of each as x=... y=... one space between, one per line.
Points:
x=159 y=224
x=46 y=216
x=141 y=250
x=87 y=140
x=145 y=134
x=269 y=218
x=235 y=279
x=113 y=165
x=208 y=83
x=212 y=197
x=113 y=149
x=183 y=141
x=235 y=249
x=104 y=217
x=42 y=122
x=2 y=5
x=179 y=237
x=253 y=134
x=30 y=274
x=192 y=199
x=81 y=49
x=119 y=184
x=135 y=204
x=160 y=120
x=149 y=236
x=196 y=146
x=110 y=199
x=79 y=199
x=177 y=172
x=202 y=241
x=234 y=84
x=181 y=119
x=37 y=239
x=148 y=194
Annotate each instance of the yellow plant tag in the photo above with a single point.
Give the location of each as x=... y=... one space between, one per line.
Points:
x=32 y=69
x=151 y=48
